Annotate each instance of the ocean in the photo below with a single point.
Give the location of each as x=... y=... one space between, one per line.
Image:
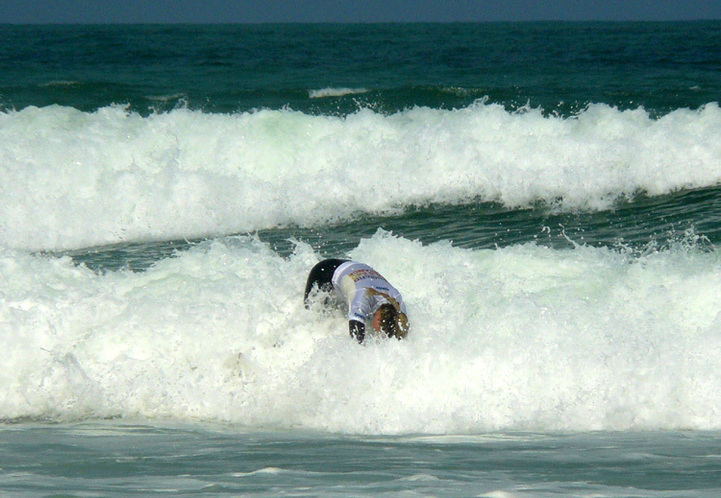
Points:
x=546 y=197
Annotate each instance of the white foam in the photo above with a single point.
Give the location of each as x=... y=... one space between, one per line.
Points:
x=334 y=92
x=73 y=179
x=519 y=338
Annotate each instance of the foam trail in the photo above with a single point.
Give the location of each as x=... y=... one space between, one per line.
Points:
x=520 y=338
x=73 y=179
x=335 y=92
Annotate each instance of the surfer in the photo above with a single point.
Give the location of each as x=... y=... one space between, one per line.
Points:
x=369 y=296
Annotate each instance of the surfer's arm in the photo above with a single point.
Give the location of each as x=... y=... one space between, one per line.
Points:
x=357 y=329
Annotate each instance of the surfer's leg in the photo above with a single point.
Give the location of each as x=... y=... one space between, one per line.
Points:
x=321 y=276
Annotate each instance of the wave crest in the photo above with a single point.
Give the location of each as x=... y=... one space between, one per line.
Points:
x=74 y=179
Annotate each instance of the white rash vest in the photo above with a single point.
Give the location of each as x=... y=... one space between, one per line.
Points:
x=351 y=281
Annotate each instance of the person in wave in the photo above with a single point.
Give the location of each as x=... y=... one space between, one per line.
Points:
x=369 y=296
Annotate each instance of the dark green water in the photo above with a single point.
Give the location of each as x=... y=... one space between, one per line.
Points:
x=560 y=67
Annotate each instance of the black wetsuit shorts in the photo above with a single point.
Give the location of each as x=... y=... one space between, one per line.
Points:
x=321 y=276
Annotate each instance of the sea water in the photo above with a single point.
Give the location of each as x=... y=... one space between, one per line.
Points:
x=544 y=195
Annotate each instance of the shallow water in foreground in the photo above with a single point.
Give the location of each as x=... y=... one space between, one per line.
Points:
x=112 y=458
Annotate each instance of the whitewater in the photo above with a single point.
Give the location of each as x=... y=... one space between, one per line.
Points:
x=75 y=179
x=520 y=338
